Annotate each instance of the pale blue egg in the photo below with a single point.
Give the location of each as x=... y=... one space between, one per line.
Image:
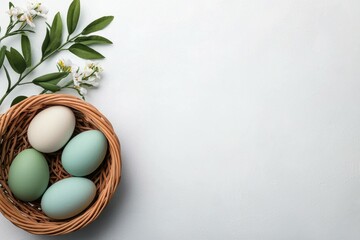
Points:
x=84 y=153
x=68 y=197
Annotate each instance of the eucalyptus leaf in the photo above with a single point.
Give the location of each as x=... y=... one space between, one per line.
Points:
x=52 y=78
x=97 y=25
x=18 y=99
x=91 y=40
x=49 y=86
x=26 y=49
x=55 y=36
x=85 y=52
x=17 y=62
x=73 y=16
x=2 y=55
x=45 y=43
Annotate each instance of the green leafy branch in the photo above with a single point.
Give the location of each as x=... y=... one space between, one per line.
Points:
x=78 y=44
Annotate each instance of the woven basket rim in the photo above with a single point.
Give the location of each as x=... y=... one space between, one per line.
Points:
x=108 y=177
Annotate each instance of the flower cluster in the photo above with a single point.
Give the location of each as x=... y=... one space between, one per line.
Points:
x=28 y=14
x=88 y=77
x=75 y=41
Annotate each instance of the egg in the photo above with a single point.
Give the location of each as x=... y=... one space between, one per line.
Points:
x=68 y=197
x=84 y=153
x=51 y=129
x=28 y=175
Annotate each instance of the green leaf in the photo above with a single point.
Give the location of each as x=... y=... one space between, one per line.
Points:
x=2 y=55
x=85 y=52
x=18 y=99
x=55 y=35
x=26 y=49
x=52 y=78
x=17 y=62
x=49 y=86
x=94 y=39
x=98 y=25
x=11 y=5
x=45 y=43
x=73 y=16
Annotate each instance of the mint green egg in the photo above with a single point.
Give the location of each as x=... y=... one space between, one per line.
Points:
x=28 y=175
x=84 y=153
x=68 y=197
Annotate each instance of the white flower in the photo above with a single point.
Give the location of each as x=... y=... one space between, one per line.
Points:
x=65 y=65
x=37 y=9
x=68 y=62
x=81 y=78
x=92 y=73
x=28 y=18
x=93 y=66
x=14 y=12
x=77 y=77
x=92 y=82
x=97 y=75
x=87 y=72
x=82 y=91
x=34 y=9
x=42 y=11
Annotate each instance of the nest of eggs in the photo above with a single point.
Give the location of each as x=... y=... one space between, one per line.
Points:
x=13 y=139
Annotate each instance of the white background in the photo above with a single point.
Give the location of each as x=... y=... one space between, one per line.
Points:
x=239 y=119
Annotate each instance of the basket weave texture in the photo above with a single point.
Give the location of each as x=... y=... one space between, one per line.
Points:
x=13 y=139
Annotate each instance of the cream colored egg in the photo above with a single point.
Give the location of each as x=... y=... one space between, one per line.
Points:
x=51 y=129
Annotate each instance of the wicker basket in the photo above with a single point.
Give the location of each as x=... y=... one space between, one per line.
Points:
x=13 y=139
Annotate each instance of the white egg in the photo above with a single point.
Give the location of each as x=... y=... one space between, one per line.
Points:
x=51 y=129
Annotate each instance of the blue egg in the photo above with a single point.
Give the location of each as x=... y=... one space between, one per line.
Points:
x=68 y=197
x=84 y=153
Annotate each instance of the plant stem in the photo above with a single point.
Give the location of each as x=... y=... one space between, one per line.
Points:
x=8 y=30
x=9 y=90
x=20 y=84
x=22 y=77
